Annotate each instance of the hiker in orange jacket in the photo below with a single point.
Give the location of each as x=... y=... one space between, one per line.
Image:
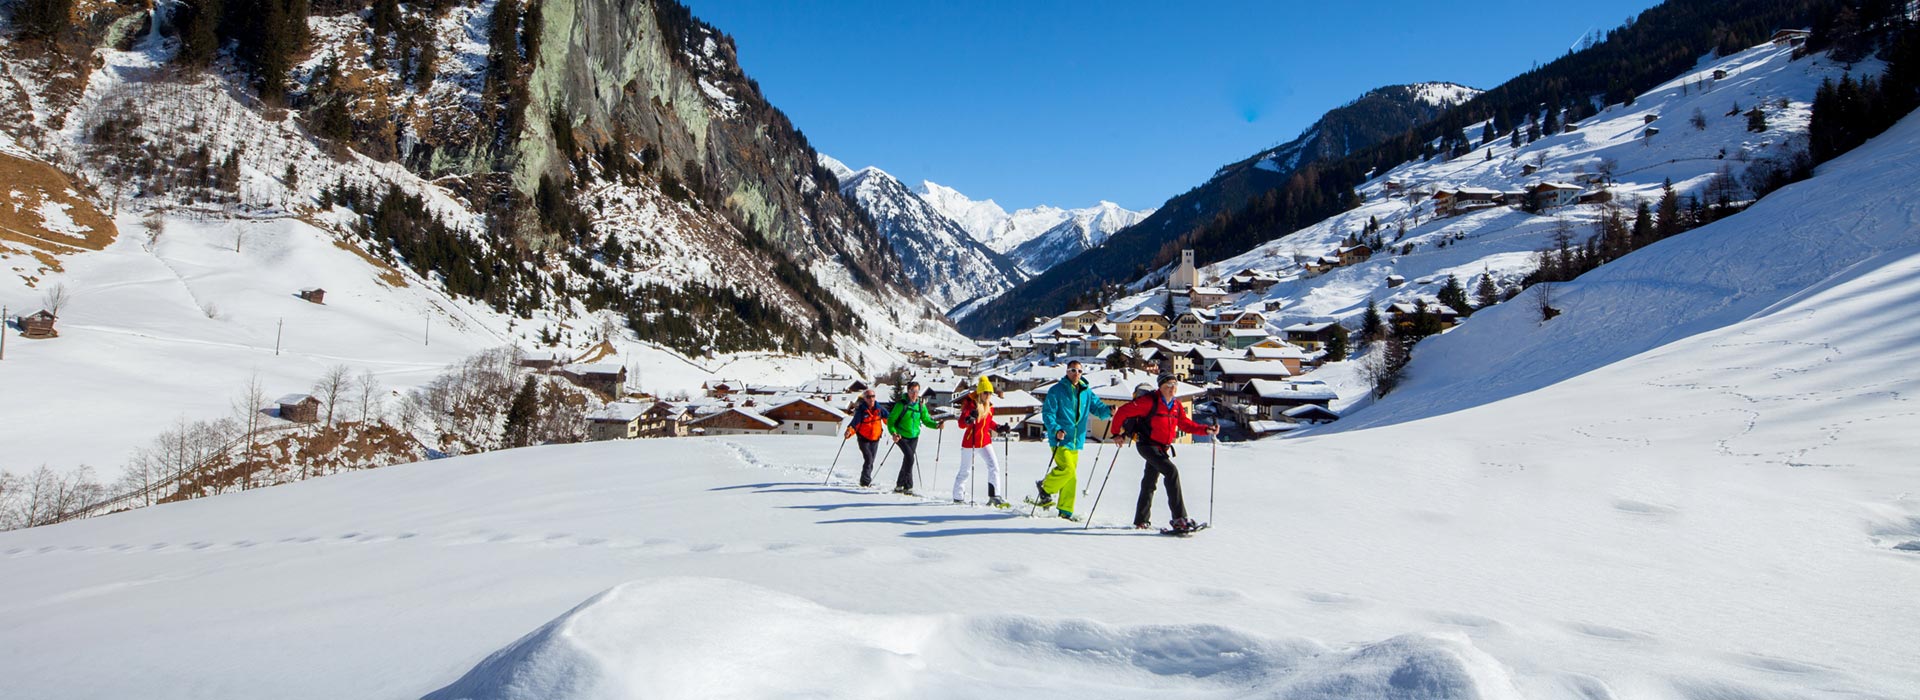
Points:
x=867 y=426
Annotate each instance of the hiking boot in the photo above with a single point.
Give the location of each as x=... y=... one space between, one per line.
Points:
x=1068 y=515
x=1045 y=499
x=1143 y=526
x=1184 y=525
x=903 y=490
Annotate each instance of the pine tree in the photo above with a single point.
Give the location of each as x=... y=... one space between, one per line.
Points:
x=199 y=24
x=522 y=413
x=1643 y=232
x=1370 y=324
x=42 y=19
x=1515 y=139
x=1337 y=343
x=1668 y=222
x=1552 y=125
x=1486 y=293
x=1486 y=133
x=1454 y=295
x=1756 y=120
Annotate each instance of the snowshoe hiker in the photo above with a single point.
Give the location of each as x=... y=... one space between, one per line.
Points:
x=1153 y=422
x=866 y=428
x=976 y=419
x=1068 y=405
x=909 y=416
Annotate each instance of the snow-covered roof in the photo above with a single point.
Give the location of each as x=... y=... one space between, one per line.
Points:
x=1308 y=327
x=749 y=413
x=291 y=399
x=1123 y=391
x=619 y=412
x=1247 y=332
x=816 y=403
x=1214 y=291
x=1279 y=353
x=1251 y=368
x=1303 y=391
x=1262 y=427
x=595 y=368
x=1310 y=410
x=1557 y=186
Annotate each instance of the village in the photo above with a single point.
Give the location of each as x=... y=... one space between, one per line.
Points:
x=1235 y=364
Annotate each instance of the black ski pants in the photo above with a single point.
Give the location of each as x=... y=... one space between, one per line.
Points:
x=868 y=450
x=1158 y=466
x=907 y=448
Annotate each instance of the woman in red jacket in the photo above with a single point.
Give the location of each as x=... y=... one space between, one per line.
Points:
x=1166 y=418
x=976 y=415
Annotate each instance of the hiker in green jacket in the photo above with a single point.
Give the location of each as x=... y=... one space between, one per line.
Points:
x=909 y=415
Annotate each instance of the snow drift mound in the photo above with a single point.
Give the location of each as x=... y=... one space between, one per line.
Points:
x=688 y=637
x=1858 y=214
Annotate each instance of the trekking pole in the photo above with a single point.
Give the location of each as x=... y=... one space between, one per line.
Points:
x=1006 y=461
x=1103 y=488
x=883 y=458
x=836 y=462
x=1213 y=470
x=939 y=439
x=1096 y=465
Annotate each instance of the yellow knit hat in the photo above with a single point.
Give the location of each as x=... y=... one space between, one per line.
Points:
x=985 y=386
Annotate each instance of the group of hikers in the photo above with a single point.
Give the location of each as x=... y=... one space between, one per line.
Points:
x=1153 y=420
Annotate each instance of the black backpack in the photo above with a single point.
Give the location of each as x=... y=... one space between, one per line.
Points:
x=1141 y=427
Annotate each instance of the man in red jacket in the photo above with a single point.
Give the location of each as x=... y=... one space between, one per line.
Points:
x=1165 y=419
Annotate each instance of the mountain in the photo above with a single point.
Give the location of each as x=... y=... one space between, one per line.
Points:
x=590 y=178
x=563 y=158
x=1037 y=238
x=1638 y=55
x=1600 y=503
x=1378 y=114
x=947 y=265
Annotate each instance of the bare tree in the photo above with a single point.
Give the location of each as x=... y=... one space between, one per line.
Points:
x=1543 y=300
x=332 y=386
x=56 y=298
x=367 y=389
x=246 y=408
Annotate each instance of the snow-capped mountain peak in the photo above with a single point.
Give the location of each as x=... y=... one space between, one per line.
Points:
x=1442 y=94
x=1036 y=237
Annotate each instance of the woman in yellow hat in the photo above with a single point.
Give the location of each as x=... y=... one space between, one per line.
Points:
x=976 y=417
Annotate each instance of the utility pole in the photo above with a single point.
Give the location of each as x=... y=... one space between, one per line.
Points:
x=277 y=332
x=3 y=332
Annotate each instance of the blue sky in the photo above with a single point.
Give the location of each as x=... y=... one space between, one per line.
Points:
x=1070 y=103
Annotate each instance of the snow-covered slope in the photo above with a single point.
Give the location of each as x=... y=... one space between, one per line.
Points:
x=1637 y=531
x=1037 y=237
x=1501 y=241
x=947 y=265
x=1379 y=114
x=1806 y=262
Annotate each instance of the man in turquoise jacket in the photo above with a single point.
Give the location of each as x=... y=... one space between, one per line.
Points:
x=1069 y=405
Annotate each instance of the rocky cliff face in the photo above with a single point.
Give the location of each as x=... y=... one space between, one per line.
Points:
x=557 y=157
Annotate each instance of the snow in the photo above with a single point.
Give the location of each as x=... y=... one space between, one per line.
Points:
x=1037 y=237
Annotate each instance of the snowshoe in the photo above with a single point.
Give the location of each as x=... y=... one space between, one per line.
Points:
x=1046 y=499
x=996 y=502
x=902 y=490
x=1042 y=502
x=1184 y=528
x=1068 y=516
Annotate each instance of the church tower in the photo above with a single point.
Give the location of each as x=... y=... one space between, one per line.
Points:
x=1184 y=275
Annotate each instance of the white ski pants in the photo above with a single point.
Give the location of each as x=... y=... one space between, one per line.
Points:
x=996 y=478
